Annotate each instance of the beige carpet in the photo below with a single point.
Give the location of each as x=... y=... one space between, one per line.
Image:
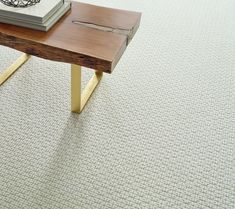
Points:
x=158 y=133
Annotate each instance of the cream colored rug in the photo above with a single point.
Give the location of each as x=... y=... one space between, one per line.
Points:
x=158 y=133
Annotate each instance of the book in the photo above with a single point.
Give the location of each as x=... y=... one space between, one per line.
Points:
x=38 y=26
x=39 y=13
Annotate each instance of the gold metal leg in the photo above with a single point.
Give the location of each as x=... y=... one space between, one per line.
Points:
x=15 y=66
x=79 y=98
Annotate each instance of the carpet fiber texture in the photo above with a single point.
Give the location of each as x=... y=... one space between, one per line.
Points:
x=158 y=133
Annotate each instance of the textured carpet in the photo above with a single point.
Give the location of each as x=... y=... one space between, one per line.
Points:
x=158 y=133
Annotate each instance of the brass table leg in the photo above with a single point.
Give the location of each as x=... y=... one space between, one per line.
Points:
x=79 y=98
x=15 y=66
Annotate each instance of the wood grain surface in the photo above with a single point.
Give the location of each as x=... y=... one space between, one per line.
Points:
x=88 y=35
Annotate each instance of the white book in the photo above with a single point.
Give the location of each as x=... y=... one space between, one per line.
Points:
x=44 y=26
x=39 y=13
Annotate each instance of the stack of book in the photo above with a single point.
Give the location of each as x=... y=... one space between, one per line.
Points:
x=41 y=16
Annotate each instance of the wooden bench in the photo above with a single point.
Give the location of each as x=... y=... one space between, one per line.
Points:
x=90 y=36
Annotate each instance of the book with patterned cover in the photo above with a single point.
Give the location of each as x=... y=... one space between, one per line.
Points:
x=39 y=13
x=39 y=26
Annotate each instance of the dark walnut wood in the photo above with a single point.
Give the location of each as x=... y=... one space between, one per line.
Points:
x=88 y=35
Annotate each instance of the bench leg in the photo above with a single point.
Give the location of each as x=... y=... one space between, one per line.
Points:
x=15 y=66
x=79 y=98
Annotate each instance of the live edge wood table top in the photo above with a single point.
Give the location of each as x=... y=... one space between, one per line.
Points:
x=89 y=36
